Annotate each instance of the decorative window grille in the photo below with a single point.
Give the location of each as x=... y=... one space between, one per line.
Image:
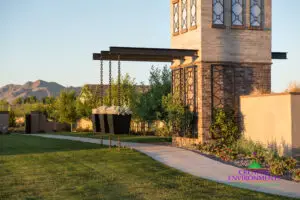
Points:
x=193 y=13
x=237 y=12
x=184 y=15
x=176 y=17
x=218 y=12
x=256 y=13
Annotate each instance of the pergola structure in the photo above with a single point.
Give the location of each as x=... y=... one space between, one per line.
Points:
x=135 y=54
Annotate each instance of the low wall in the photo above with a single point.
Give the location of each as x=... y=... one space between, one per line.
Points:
x=273 y=120
x=4 y=121
x=146 y=126
x=39 y=123
x=184 y=142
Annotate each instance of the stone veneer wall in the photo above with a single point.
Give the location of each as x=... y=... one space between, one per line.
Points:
x=184 y=142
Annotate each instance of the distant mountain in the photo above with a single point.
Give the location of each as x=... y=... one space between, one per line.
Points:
x=38 y=88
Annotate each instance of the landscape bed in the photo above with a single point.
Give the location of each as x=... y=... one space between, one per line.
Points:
x=43 y=168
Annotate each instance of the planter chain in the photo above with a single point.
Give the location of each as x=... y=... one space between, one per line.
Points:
x=119 y=81
x=110 y=96
x=101 y=81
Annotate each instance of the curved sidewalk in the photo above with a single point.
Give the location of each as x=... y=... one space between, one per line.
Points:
x=197 y=165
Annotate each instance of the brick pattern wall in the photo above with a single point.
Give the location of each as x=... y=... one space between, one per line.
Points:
x=246 y=78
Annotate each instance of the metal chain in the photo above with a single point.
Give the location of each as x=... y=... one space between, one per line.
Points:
x=119 y=81
x=110 y=95
x=101 y=82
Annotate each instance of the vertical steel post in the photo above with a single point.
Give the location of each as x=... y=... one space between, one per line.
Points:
x=109 y=89
x=101 y=81
x=119 y=81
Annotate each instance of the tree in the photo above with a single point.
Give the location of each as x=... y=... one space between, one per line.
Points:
x=128 y=91
x=86 y=102
x=48 y=100
x=18 y=101
x=66 y=107
x=12 y=119
x=3 y=105
x=150 y=104
x=30 y=99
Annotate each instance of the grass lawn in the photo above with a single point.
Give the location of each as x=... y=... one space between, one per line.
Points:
x=42 y=168
x=125 y=138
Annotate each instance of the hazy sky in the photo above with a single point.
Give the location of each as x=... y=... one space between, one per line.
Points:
x=54 y=40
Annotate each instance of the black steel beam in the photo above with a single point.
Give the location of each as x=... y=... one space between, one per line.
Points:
x=279 y=55
x=154 y=51
x=132 y=57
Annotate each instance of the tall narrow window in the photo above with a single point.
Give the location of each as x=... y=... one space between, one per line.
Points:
x=256 y=13
x=184 y=15
x=176 y=18
x=237 y=12
x=193 y=14
x=218 y=12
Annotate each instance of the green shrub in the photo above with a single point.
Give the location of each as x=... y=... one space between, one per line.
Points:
x=296 y=175
x=163 y=131
x=224 y=127
x=277 y=167
x=219 y=150
x=179 y=118
x=290 y=163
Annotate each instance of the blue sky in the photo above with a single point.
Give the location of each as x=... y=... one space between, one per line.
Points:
x=54 y=40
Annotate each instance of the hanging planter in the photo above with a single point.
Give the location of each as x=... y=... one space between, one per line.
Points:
x=114 y=119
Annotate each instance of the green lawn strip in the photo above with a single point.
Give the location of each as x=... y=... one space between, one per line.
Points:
x=125 y=137
x=102 y=174
x=22 y=144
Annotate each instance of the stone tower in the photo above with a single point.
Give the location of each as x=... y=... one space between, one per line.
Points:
x=233 y=39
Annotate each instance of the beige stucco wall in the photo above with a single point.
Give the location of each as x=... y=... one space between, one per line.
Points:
x=296 y=123
x=272 y=120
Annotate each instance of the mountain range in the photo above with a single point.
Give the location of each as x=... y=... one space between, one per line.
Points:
x=37 y=88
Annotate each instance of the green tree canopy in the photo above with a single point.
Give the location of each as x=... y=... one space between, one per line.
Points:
x=150 y=106
x=128 y=91
x=86 y=102
x=65 y=106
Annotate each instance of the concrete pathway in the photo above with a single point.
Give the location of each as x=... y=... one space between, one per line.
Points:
x=198 y=165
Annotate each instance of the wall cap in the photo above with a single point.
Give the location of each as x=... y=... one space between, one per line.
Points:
x=273 y=94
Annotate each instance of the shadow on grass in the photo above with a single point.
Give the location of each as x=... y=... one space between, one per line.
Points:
x=15 y=144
